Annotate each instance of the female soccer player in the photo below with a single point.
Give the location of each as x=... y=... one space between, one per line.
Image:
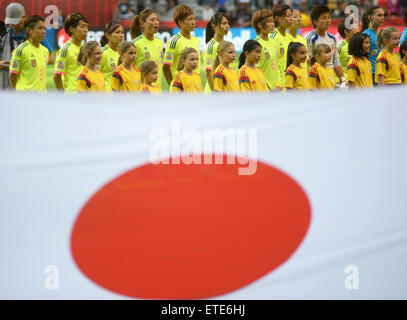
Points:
x=372 y=19
x=188 y=79
x=67 y=67
x=28 y=65
x=293 y=29
x=114 y=35
x=251 y=77
x=263 y=24
x=343 y=46
x=184 y=18
x=225 y=77
x=387 y=62
x=148 y=46
x=296 y=76
x=359 y=67
x=149 y=75
x=321 y=76
x=216 y=29
x=403 y=63
x=283 y=17
x=127 y=77
x=90 y=79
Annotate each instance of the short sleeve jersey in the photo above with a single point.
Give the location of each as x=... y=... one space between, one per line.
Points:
x=125 y=80
x=91 y=81
x=403 y=72
x=374 y=50
x=252 y=80
x=388 y=65
x=360 y=72
x=296 y=78
x=226 y=79
x=174 y=48
x=344 y=56
x=150 y=50
x=30 y=64
x=321 y=78
x=68 y=66
x=269 y=63
x=209 y=55
x=110 y=60
x=282 y=48
x=187 y=83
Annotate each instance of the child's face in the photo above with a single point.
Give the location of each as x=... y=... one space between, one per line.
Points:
x=80 y=31
x=393 y=41
x=152 y=76
x=325 y=56
x=117 y=36
x=224 y=27
x=152 y=24
x=377 y=18
x=366 y=45
x=130 y=55
x=191 y=61
x=268 y=25
x=229 y=55
x=286 y=20
x=254 y=56
x=297 y=21
x=96 y=56
x=323 y=22
x=301 y=55
x=188 y=24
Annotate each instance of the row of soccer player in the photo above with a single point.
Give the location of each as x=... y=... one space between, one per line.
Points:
x=275 y=60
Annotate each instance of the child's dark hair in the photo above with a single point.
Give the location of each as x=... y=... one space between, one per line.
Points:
x=248 y=47
x=216 y=20
x=365 y=17
x=86 y=51
x=292 y=49
x=181 y=12
x=135 y=29
x=280 y=11
x=30 y=23
x=73 y=21
x=403 y=48
x=317 y=11
x=356 y=45
x=110 y=27
x=318 y=49
x=123 y=48
x=259 y=17
x=183 y=56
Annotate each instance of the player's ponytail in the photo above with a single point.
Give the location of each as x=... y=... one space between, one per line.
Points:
x=110 y=27
x=216 y=20
x=366 y=17
x=292 y=49
x=222 y=47
x=123 y=48
x=85 y=51
x=135 y=29
x=183 y=57
x=249 y=46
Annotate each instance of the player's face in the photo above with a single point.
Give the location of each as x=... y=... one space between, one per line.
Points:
x=96 y=56
x=130 y=55
x=324 y=21
x=254 y=56
x=351 y=32
x=152 y=24
x=377 y=18
x=152 y=76
x=188 y=24
x=268 y=25
x=366 y=45
x=286 y=20
x=117 y=36
x=301 y=55
x=191 y=62
x=297 y=21
x=325 y=56
x=81 y=31
x=224 y=27
x=229 y=55
x=37 y=32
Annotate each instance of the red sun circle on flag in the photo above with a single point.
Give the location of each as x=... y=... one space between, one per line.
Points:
x=189 y=231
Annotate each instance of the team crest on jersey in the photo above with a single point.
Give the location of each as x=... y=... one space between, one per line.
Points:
x=34 y=63
x=61 y=65
x=282 y=51
x=374 y=52
x=169 y=56
x=267 y=55
x=15 y=64
x=147 y=55
x=208 y=61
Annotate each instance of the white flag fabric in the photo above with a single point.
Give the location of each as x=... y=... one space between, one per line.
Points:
x=343 y=154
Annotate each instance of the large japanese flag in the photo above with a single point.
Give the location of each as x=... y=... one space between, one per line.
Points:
x=303 y=196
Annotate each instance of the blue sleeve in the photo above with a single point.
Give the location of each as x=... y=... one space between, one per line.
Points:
x=403 y=36
x=47 y=45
